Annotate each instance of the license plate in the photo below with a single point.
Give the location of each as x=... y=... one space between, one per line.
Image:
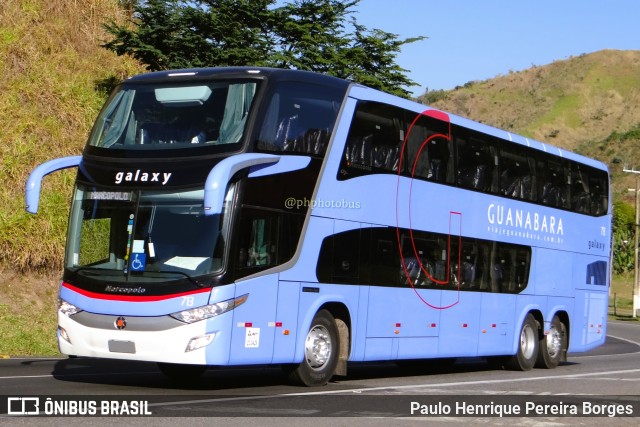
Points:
x=116 y=346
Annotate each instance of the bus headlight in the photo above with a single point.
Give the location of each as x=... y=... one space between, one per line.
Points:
x=205 y=312
x=66 y=308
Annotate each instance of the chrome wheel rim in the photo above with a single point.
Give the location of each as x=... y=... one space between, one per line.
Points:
x=528 y=341
x=317 y=348
x=554 y=342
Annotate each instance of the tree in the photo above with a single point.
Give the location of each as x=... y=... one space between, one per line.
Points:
x=314 y=35
x=170 y=34
x=623 y=237
x=371 y=60
x=309 y=35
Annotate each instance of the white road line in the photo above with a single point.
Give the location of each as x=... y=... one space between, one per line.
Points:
x=550 y=377
x=77 y=375
x=25 y=376
x=624 y=339
x=608 y=355
x=414 y=386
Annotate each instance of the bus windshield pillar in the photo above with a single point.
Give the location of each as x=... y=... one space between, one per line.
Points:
x=259 y=164
x=34 y=183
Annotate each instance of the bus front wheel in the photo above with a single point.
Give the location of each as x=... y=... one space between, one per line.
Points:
x=525 y=358
x=552 y=345
x=321 y=350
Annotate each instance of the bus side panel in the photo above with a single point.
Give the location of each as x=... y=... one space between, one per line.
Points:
x=397 y=313
x=459 y=327
x=405 y=315
x=496 y=324
x=588 y=326
x=380 y=349
x=553 y=273
x=384 y=309
x=591 y=279
x=285 y=324
x=417 y=347
x=359 y=327
x=252 y=336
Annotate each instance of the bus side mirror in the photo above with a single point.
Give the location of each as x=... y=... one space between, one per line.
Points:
x=259 y=164
x=34 y=182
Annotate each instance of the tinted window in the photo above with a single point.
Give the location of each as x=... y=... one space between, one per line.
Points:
x=171 y=116
x=428 y=260
x=266 y=238
x=374 y=140
x=299 y=118
x=475 y=163
x=388 y=139
x=517 y=175
x=553 y=183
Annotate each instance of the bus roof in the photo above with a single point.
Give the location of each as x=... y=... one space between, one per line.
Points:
x=357 y=91
x=274 y=74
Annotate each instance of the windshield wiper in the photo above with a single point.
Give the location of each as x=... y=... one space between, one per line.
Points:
x=191 y=279
x=92 y=269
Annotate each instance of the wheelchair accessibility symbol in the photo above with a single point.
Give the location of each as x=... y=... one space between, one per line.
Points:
x=138 y=261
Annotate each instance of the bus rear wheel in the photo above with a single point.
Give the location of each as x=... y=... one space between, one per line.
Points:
x=525 y=358
x=321 y=350
x=552 y=345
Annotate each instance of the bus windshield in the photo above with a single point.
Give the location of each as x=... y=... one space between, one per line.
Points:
x=146 y=116
x=145 y=235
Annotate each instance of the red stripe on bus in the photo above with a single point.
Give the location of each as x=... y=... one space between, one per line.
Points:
x=438 y=115
x=131 y=298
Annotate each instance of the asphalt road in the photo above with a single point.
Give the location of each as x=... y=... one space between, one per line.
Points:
x=372 y=393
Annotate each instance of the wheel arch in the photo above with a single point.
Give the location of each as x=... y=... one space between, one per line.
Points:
x=564 y=318
x=537 y=314
x=342 y=316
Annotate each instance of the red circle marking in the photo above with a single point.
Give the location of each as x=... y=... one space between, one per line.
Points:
x=440 y=116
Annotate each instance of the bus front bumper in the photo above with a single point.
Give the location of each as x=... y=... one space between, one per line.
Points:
x=153 y=339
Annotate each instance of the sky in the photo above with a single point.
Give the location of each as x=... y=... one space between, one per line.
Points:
x=480 y=39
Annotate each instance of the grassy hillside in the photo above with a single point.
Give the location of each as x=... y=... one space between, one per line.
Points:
x=589 y=104
x=52 y=70
x=566 y=102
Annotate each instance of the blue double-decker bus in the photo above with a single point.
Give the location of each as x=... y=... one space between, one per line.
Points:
x=239 y=216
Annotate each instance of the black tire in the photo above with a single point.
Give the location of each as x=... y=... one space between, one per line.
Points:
x=553 y=345
x=525 y=358
x=179 y=372
x=321 y=350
